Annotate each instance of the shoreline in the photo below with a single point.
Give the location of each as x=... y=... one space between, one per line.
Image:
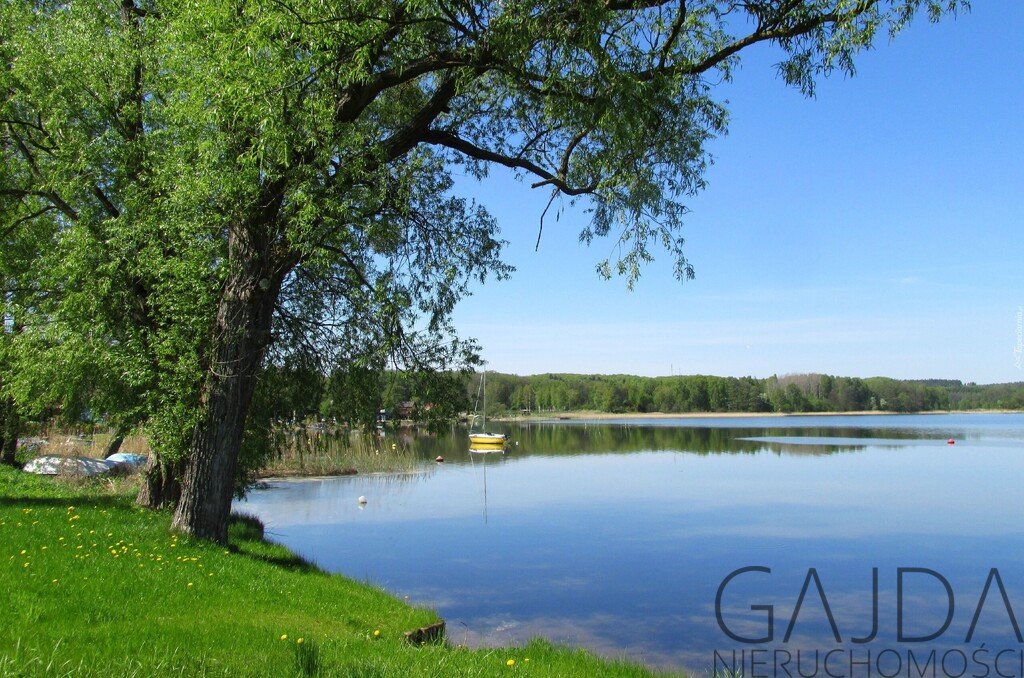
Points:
x=598 y=416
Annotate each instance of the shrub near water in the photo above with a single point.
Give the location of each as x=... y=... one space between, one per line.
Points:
x=308 y=452
x=95 y=586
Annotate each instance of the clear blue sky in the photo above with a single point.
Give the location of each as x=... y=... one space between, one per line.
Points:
x=872 y=230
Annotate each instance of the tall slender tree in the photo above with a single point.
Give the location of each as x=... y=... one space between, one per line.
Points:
x=212 y=185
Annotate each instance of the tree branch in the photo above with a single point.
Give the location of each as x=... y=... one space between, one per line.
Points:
x=439 y=138
x=632 y=5
x=348 y=262
x=107 y=205
x=673 y=35
x=54 y=199
x=355 y=99
x=761 y=35
x=29 y=217
x=407 y=137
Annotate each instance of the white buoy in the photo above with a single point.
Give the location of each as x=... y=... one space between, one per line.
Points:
x=362 y=500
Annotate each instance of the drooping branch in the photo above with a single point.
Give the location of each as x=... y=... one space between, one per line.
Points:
x=764 y=34
x=28 y=217
x=348 y=262
x=440 y=138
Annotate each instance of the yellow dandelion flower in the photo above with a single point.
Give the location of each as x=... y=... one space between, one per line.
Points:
x=376 y=633
x=23 y=551
x=190 y=584
x=26 y=564
x=510 y=662
x=284 y=636
x=299 y=641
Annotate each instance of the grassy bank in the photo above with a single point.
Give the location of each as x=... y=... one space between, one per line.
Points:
x=96 y=586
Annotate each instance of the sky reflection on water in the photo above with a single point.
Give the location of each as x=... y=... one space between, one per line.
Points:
x=624 y=551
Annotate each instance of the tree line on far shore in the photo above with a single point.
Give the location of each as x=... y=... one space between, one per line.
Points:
x=703 y=393
x=306 y=395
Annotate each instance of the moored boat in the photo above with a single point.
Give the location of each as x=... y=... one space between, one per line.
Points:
x=481 y=441
x=487 y=441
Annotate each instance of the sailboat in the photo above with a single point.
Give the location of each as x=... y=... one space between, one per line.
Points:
x=481 y=441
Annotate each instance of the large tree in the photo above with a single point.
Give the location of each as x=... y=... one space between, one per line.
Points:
x=212 y=185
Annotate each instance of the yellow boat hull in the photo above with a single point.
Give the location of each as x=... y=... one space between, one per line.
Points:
x=487 y=440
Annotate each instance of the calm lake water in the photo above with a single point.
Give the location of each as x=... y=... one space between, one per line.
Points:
x=617 y=536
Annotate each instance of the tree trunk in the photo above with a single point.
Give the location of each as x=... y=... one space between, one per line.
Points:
x=115 y=443
x=10 y=425
x=241 y=337
x=161 y=488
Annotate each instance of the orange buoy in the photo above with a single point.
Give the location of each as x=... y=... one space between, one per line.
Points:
x=950 y=442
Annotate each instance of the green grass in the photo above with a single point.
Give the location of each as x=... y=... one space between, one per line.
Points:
x=93 y=585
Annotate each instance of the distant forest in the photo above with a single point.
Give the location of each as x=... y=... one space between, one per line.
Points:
x=699 y=393
x=305 y=394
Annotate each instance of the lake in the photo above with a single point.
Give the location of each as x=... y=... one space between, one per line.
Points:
x=773 y=546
